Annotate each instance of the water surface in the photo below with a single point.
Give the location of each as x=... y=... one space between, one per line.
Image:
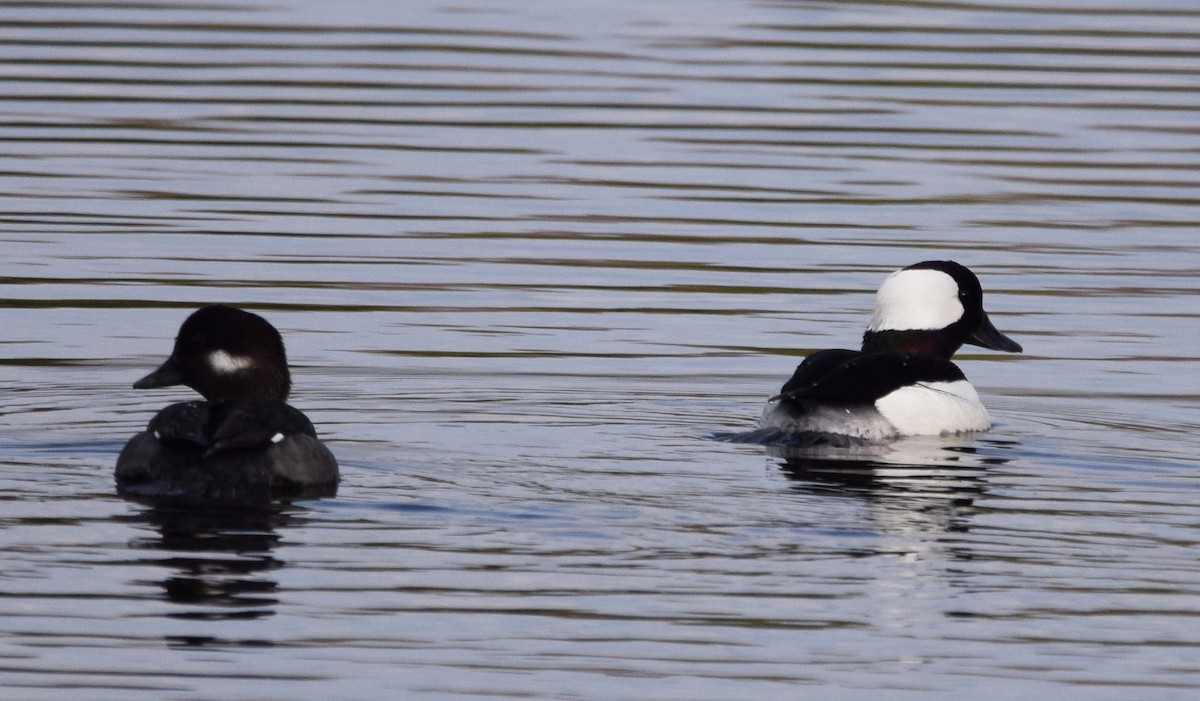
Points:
x=525 y=255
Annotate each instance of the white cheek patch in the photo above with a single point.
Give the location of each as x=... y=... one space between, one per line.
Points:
x=277 y=437
x=227 y=363
x=916 y=300
x=933 y=408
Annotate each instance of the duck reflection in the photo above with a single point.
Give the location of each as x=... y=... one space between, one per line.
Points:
x=219 y=560
x=926 y=481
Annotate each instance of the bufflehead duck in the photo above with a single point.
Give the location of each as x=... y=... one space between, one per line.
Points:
x=901 y=383
x=243 y=442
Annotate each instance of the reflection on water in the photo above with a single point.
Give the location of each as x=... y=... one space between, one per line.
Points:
x=926 y=482
x=525 y=255
x=219 y=561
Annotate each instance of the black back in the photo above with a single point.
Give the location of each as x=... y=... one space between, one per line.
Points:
x=864 y=377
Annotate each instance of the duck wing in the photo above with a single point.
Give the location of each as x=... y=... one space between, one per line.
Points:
x=241 y=425
x=817 y=366
x=866 y=377
x=183 y=422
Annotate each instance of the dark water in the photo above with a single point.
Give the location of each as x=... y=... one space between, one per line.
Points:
x=525 y=255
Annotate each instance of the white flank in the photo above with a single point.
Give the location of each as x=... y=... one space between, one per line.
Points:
x=225 y=363
x=916 y=300
x=859 y=422
x=932 y=408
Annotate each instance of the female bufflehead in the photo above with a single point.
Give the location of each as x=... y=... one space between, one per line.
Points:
x=243 y=443
x=902 y=382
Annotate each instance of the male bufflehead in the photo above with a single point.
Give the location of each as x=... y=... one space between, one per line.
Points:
x=902 y=382
x=243 y=442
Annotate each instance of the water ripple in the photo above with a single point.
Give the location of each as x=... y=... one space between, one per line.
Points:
x=525 y=257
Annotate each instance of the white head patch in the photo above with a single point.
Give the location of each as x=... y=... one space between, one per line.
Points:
x=916 y=300
x=227 y=363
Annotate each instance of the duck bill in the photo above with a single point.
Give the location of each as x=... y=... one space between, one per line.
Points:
x=166 y=375
x=988 y=336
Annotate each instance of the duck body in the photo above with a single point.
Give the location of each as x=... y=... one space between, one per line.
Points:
x=874 y=397
x=227 y=452
x=243 y=442
x=902 y=381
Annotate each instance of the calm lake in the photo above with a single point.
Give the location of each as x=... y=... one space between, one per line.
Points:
x=525 y=256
